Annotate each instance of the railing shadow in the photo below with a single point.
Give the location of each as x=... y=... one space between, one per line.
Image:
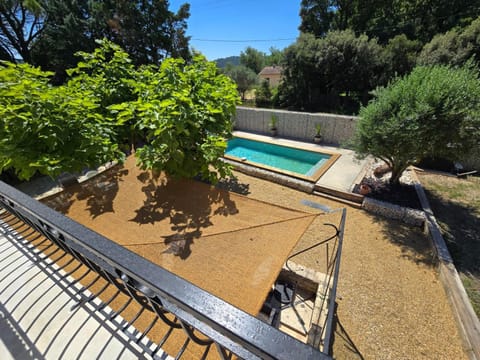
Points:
x=344 y=343
x=49 y=291
x=15 y=340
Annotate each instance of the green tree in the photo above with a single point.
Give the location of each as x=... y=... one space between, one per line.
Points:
x=48 y=129
x=454 y=47
x=185 y=112
x=20 y=24
x=400 y=56
x=349 y=63
x=180 y=111
x=417 y=19
x=275 y=57
x=432 y=112
x=263 y=95
x=317 y=16
x=303 y=81
x=243 y=76
x=67 y=30
x=339 y=63
x=253 y=59
x=146 y=29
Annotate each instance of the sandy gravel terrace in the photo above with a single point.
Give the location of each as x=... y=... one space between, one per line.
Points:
x=390 y=302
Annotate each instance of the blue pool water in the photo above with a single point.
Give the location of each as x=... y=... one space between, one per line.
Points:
x=299 y=161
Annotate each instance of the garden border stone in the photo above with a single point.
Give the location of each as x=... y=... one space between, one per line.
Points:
x=467 y=321
x=407 y=215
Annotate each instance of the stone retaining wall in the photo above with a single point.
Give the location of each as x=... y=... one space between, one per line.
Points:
x=289 y=181
x=392 y=211
x=467 y=321
x=336 y=129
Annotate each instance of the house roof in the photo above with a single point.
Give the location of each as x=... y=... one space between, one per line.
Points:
x=271 y=70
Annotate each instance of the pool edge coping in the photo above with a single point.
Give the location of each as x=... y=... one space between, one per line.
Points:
x=313 y=179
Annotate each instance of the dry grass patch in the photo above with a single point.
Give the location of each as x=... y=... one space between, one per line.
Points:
x=456 y=205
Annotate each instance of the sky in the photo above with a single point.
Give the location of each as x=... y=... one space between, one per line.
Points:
x=222 y=28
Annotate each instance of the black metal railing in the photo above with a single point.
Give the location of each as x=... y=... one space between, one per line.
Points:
x=204 y=318
x=332 y=249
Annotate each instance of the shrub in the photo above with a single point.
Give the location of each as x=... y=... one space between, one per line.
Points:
x=182 y=112
x=49 y=129
x=434 y=111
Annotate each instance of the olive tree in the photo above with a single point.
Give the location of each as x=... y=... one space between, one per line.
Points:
x=433 y=111
x=244 y=77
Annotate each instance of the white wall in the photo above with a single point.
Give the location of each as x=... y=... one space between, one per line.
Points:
x=336 y=129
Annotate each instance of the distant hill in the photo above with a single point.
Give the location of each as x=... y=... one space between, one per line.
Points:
x=222 y=62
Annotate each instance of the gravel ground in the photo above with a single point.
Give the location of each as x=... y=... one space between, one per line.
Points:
x=391 y=304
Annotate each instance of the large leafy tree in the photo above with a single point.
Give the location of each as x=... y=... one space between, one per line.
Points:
x=385 y=19
x=20 y=24
x=275 y=57
x=49 y=129
x=68 y=29
x=432 y=112
x=49 y=33
x=253 y=59
x=323 y=68
x=317 y=16
x=181 y=113
x=146 y=29
x=185 y=111
x=454 y=47
x=302 y=81
x=243 y=76
x=400 y=56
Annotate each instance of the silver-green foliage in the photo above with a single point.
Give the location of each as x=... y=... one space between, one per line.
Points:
x=434 y=111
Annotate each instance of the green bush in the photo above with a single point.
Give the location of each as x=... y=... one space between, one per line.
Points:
x=263 y=95
x=181 y=111
x=434 y=111
x=49 y=129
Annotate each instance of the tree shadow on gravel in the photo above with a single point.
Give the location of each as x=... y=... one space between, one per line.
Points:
x=232 y=184
x=414 y=244
x=460 y=226
x=188 y=205
x=99 y=193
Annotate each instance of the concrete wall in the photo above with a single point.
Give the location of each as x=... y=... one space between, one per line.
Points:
x=336 y=129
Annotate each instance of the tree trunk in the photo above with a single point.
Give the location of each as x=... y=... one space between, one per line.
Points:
x=397 y=171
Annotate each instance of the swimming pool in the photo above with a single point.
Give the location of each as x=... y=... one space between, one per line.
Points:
x=297 y=162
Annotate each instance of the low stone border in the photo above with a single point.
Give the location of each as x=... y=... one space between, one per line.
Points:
x=53 y=187
x=467 y=321
x=294 y=183
x=407 y=215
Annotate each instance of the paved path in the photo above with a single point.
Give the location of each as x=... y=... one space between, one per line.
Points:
x=40 y=317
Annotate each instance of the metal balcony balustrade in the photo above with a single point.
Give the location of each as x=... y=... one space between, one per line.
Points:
x=205 y=319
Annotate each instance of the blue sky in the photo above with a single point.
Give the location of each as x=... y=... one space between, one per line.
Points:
x=232 y=25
